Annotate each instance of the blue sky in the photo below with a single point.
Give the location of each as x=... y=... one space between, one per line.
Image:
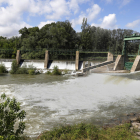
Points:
x=108 y=14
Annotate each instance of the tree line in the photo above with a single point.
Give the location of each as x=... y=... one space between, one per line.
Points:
x=60 y=35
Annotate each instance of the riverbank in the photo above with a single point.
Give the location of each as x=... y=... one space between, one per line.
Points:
x=121 y=128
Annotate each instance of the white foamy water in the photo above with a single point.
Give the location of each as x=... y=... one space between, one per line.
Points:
x=93 y=98
x=38 y=65
x=70 y=65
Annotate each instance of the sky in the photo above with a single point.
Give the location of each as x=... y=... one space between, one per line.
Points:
x=107 y=14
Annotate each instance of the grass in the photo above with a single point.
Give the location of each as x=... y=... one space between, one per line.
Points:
x=55 y=71
x=88 y=132
x=3 y=68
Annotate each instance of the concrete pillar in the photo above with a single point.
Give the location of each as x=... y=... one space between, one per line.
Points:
x=136 y=64
x=119 y=63
x=77 y=60
x=46 y=59
x=18 y=57
x=84 y=64
x=110 y=57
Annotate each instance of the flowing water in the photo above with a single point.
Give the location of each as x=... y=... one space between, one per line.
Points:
x=50 y=101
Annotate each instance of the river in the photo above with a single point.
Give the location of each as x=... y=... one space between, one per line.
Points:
x=58 y=100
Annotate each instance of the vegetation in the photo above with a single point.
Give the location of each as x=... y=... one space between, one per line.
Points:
x=3 y=68
x=15 y=69
x=55 y=71
x=88 y=132
x=60 y=35
x=11 y=114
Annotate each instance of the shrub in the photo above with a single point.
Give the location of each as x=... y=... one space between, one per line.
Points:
x=56 y=71
x=14 y=67
x=10 y=113
x=3 y=68
x=31 y=72
x=48 y=72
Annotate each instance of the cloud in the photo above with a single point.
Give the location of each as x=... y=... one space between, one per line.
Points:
x=91 y=14
x=125 y=2
x=44 y=23
x=109 y=22
x=11 y=13
x=11 y=20
x=12 y=30
x=133 y=24
x=74 y=5
x=59 y=9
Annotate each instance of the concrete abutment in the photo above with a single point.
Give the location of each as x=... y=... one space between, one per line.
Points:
x=46 y=59
x=110 y=57
x=136 y=64
x=77 y=61
x=18 y=57
x=119 y=63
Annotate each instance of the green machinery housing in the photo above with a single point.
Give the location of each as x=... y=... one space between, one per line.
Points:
x=127 y=63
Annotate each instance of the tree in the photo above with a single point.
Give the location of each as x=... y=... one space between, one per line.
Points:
x=86 y=35
x=10 y=113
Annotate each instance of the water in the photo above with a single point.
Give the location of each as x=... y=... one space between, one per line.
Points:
x=57 y=100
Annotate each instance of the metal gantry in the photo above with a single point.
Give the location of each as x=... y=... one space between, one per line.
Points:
x=127 y=64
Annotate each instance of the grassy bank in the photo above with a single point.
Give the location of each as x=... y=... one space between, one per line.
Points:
x=88 y=132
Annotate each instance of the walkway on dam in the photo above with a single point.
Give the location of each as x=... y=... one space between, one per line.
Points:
x=98 y=65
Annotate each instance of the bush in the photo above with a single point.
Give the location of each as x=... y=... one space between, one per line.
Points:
x=49 y=73
x=10 y=114
x=31 y=72
x=56 y=71
x=14 y=67
x=3 y=68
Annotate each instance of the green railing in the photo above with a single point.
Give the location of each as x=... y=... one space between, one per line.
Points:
x=128 y=65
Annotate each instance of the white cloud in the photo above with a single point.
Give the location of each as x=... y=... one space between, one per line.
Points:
x=133 y=24
x=11 y=14
x=13 y=29
x=44 y=23
x=59 y=9
x=109 y=22
x=91 y=14
x=74 y=5
x=125 y=2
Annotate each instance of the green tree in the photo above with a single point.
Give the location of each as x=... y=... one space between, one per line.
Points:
x=10 y=113
x=86 y=35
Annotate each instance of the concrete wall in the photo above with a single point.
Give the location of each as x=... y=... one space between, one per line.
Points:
x=119 y=63
x=46 y=60
x=18 y=56
x=136 y=64
x=110 y=57
x=77 y=60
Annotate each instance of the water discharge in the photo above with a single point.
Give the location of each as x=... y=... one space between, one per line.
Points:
x=54 y=100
